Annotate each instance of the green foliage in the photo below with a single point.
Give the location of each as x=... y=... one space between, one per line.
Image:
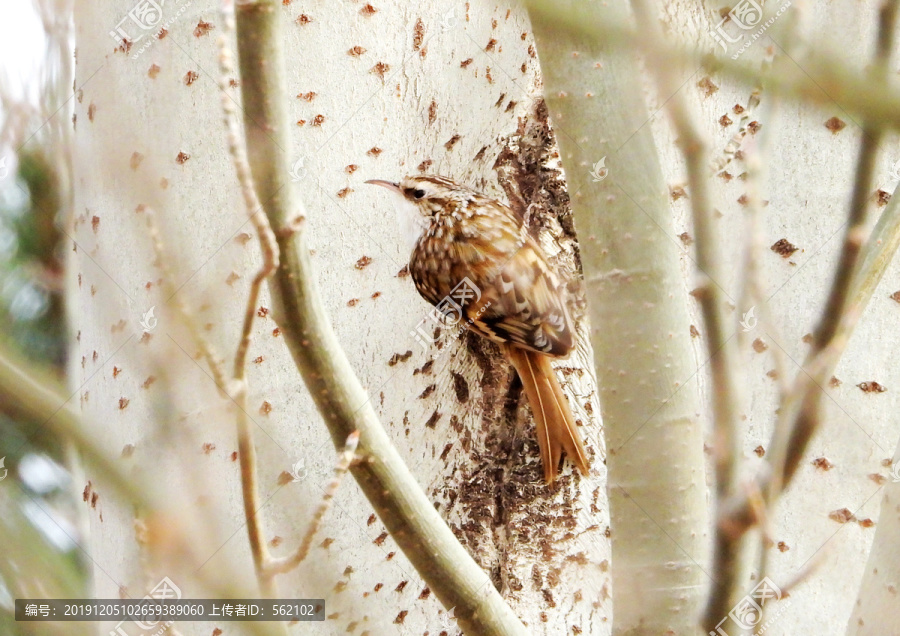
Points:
x=38 y=523
x=32 y=313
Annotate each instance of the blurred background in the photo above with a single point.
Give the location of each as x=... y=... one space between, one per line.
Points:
x=37 y=497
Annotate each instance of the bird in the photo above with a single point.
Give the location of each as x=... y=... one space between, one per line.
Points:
x=473 y=257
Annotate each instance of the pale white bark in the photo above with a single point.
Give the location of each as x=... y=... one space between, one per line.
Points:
x=545 y=550
x=877 y=610
x=638 y=308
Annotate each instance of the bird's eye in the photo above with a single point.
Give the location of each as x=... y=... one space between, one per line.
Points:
x=418 y=194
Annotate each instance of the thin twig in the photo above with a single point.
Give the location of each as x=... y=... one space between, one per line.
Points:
x=753 y=295
x=800 y=78
x=32 y=395
x=785 y=460
x=345 y=460
x=800 y=410
x=850 y=293
x=269 y=248
x=237 y=391
x=879 y=251
x=215 y=364
x=255 y=209
x=761 y=513
x=721 y=350
x=808 y=569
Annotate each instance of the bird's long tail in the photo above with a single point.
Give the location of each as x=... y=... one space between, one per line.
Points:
x=556 y=428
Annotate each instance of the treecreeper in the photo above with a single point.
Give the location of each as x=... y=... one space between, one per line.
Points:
x=473 y=254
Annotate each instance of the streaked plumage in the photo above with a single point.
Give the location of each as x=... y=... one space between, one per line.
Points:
x=457 y=234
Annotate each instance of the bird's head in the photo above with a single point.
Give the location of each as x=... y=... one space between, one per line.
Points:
x=419 y=199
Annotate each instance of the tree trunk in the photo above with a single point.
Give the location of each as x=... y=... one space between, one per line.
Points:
x=876 y=610
x=445 y=97
x=638 y=310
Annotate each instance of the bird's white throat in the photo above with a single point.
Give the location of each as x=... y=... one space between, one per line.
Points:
x=412 y=223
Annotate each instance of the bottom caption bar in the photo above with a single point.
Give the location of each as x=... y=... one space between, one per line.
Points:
x=149 y=612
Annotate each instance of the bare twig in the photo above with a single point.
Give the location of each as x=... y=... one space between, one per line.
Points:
x=809 y=568
x=345 y=460
x=415 y=525
x=246 y=446
x=216 y=364
x=801 y=78
x=28 y=394
x=721 y=349
x=878 y=253
x=752 y=294
x=784 y=460
x=254 y=208
x=235 y=389
x=760 y=513
x=851 y=289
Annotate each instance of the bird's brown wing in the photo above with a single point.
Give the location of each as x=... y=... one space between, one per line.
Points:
x=495 y=278
x=523 y=304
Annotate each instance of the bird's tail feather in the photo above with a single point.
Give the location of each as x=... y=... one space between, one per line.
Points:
x=555 y=424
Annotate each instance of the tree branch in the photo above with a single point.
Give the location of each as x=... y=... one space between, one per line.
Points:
x=850 y=292
x=801 y=79
x=639 y=322
x=345 y=460
x=28 y=394
x=720 y=344
x=246 y=445
x=785 y=461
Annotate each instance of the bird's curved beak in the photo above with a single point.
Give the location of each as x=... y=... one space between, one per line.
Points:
x=390 y=185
